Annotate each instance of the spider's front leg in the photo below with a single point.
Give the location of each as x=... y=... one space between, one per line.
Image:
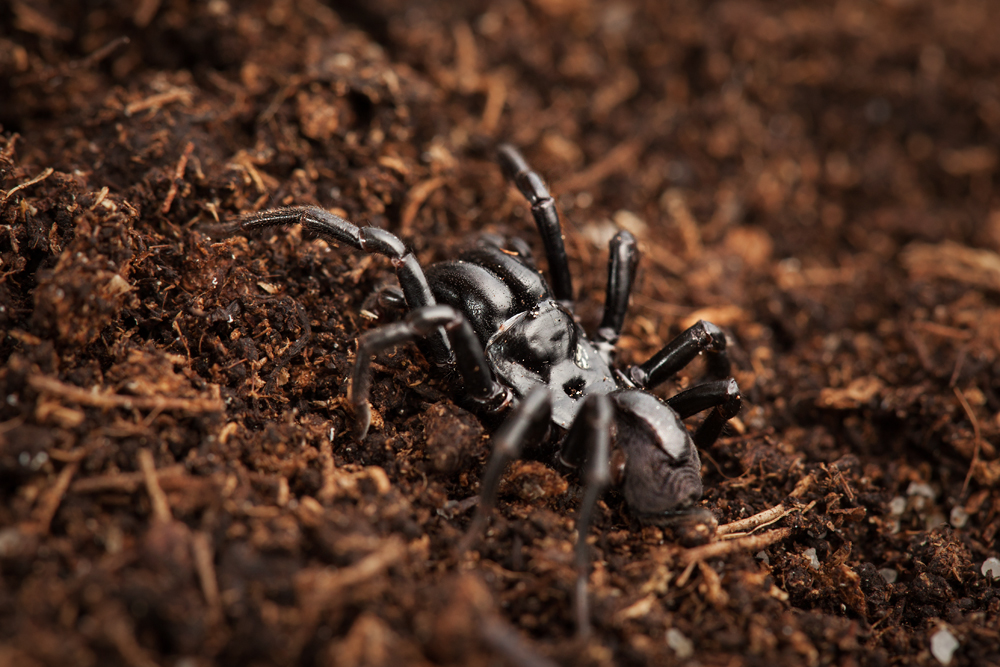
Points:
x=420 y=323
x=587 y=443
x=527 y=426
x=370 y=239
x=543 y=209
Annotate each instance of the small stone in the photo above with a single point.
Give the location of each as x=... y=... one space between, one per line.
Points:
x=682 y=646
x=991 y=568
x=897 y=505
x=959 y=517
x=810 y=553
x=920 y=489
x=943 y=645
x=890 y=575
x=12 y=542
x=631 y=222
x=935 y=520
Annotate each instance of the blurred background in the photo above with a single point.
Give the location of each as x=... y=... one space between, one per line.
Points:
x=816 y=178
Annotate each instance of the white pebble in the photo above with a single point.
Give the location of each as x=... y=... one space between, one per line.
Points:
x=897 y=505
x=920 y=489
x=959 y=517
x=943 y=645
x=889 y=575
x=682 y=646
x=991 y=568
x=935 y=520
x=810 y=553
x=629 y=221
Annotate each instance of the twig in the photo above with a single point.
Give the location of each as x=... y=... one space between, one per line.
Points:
x=466 y=58
x=620 y=158
x=768 y=516
x=747 y=543
x=99 y=199
x=178 y=177
x=158 y=100
x=321 y=588
x=329 y=488
x=496 y=98
x=37 y=179
x=161 y=508
x=682 y=580
x=100 y=54
x=500 y=636
x=242 y=161
x=803 y=486
x=976 y=434
x=415 y=198
x=201 y=551
x=49 y=503
x=126 y=482
x=117 y=626
x=11 y=424
x=677 y=208
x=293 y=85
x=8 y=150
x=92 y=398
x=765 y=518
x=145 y=12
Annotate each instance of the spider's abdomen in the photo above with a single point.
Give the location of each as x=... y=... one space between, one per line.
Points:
x=485 y=300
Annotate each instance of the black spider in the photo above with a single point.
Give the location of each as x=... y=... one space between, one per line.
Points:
x=518 y=348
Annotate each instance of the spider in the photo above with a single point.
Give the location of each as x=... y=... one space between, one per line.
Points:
x=521 y=354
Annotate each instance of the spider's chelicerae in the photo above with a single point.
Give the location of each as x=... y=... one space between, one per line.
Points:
x=519 y=350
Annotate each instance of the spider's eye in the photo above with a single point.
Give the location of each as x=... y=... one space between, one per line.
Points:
x=574 y=388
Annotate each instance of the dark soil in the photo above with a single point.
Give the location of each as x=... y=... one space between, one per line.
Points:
x=180 y=483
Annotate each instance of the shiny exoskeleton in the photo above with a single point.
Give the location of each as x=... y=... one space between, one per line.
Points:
x=520 y=352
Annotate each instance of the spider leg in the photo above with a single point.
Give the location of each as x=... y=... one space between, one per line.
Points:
x=678 y=353
x=623 y=258
x=391 y=298
x=469 y=357
x=526 y=426
x=370 y=239
x=588 y=442
x=723 y=395
x=543 y=209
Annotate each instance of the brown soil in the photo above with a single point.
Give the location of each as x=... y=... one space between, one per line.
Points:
x=180 y=484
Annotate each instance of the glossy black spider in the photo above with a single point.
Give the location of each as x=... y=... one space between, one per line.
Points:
x=518 y=348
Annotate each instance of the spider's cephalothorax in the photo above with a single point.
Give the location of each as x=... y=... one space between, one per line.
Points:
x=518 y=349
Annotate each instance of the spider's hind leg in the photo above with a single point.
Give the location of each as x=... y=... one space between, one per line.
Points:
x=588 y=443
x=722 y=395
x=701 y=337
